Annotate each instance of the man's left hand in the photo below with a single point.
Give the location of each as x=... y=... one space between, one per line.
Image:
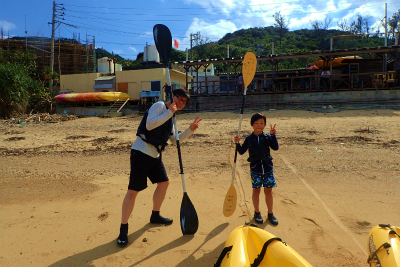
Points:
x=195 y=124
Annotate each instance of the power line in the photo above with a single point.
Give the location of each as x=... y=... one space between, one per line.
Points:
x=235 y=7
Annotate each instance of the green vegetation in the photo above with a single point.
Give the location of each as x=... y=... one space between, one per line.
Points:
x=20 y=89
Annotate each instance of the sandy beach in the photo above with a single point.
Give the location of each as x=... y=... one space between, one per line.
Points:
x=62 y=183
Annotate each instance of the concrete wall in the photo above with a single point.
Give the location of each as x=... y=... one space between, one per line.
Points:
x=139 y=80
x=78 y=83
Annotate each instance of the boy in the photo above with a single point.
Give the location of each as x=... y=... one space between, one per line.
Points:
x=261 y=167
x=153 y=133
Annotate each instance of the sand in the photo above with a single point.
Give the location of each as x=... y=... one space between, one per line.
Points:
x=62 y=184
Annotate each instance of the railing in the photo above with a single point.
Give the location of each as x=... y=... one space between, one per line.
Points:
x=334 y=82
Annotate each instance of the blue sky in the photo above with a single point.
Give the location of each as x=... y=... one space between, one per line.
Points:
x=125 y=27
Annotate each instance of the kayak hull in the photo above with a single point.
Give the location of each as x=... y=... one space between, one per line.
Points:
x=248 y=242
x=93 y=97
x=384 y=246
x=336 y=63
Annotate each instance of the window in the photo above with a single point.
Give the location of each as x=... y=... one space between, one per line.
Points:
x=155 y=86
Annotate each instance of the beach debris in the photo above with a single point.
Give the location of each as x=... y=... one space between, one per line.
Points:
x=15 y=138
x=103 y=216
x=41 y=117
x=144 y=239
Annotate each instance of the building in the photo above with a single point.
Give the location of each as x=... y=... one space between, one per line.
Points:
x=145 y=78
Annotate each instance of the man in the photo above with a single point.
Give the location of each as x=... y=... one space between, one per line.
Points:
x=153 y=133
x=325 y=80
x=167 y=91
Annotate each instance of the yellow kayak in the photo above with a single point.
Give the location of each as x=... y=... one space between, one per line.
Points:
x=384 y=246
x=251 y=246
x=336 y=63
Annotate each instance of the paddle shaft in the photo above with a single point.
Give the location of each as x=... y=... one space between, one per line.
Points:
x=240 y=123
x=177 y=136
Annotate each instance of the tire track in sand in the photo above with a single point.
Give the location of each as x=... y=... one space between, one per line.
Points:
x=316 y=195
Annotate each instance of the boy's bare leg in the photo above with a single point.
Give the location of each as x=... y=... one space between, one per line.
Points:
x=269 y=200
x=256 y=199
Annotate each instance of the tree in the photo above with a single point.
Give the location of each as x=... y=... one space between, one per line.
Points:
x=319 y=25
x=316 y=25
x=394 y=23
x=18 y=88
x=342 y=24
x=281 y=24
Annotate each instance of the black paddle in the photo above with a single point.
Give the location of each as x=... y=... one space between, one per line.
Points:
x=189 y=219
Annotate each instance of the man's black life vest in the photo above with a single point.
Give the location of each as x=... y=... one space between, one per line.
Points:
x=259 y=149
x=157 y=137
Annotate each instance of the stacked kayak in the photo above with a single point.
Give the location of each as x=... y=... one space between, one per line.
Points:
x=384 y=246
x=336 y=63
x=251 y=246
x=93 y=97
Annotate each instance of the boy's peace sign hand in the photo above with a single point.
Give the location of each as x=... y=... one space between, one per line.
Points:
x=195 y=124
x=273 y=130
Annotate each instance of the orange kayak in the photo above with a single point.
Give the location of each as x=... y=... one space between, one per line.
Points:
x=93 y=97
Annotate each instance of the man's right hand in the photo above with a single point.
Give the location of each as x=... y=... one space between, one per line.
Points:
x=172 y=107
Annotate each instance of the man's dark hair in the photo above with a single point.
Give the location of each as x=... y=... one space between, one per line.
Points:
x=256 y=117
x=181 y=92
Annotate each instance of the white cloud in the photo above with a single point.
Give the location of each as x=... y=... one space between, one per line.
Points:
x=7 y=25
x=133 y=49
x=244 y=14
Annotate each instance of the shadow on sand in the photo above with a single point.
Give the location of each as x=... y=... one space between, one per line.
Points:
x=190 y=260
x=87 y=258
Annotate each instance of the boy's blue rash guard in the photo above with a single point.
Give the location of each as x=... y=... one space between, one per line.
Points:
x=259 y=167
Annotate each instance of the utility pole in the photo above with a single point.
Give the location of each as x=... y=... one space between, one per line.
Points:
x=259 y=53
x=53 y=23
x=196 y=39
x=385 y=65
x=26 y=36
x=94 y=53
x=191 y=47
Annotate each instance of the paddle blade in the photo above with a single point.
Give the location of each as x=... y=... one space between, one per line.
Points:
x=189 y=219
x=230 y=201
x=163 y=40
x=249 y=68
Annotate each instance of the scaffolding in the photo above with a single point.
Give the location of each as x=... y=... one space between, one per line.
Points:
x=68 y=58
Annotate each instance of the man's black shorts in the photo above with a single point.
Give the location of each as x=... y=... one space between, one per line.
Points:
x=143 y=166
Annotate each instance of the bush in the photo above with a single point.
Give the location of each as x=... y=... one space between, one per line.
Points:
x=18 y=89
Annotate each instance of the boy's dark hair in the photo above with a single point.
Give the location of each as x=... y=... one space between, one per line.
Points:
x=181 y=92
x=256 y=117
